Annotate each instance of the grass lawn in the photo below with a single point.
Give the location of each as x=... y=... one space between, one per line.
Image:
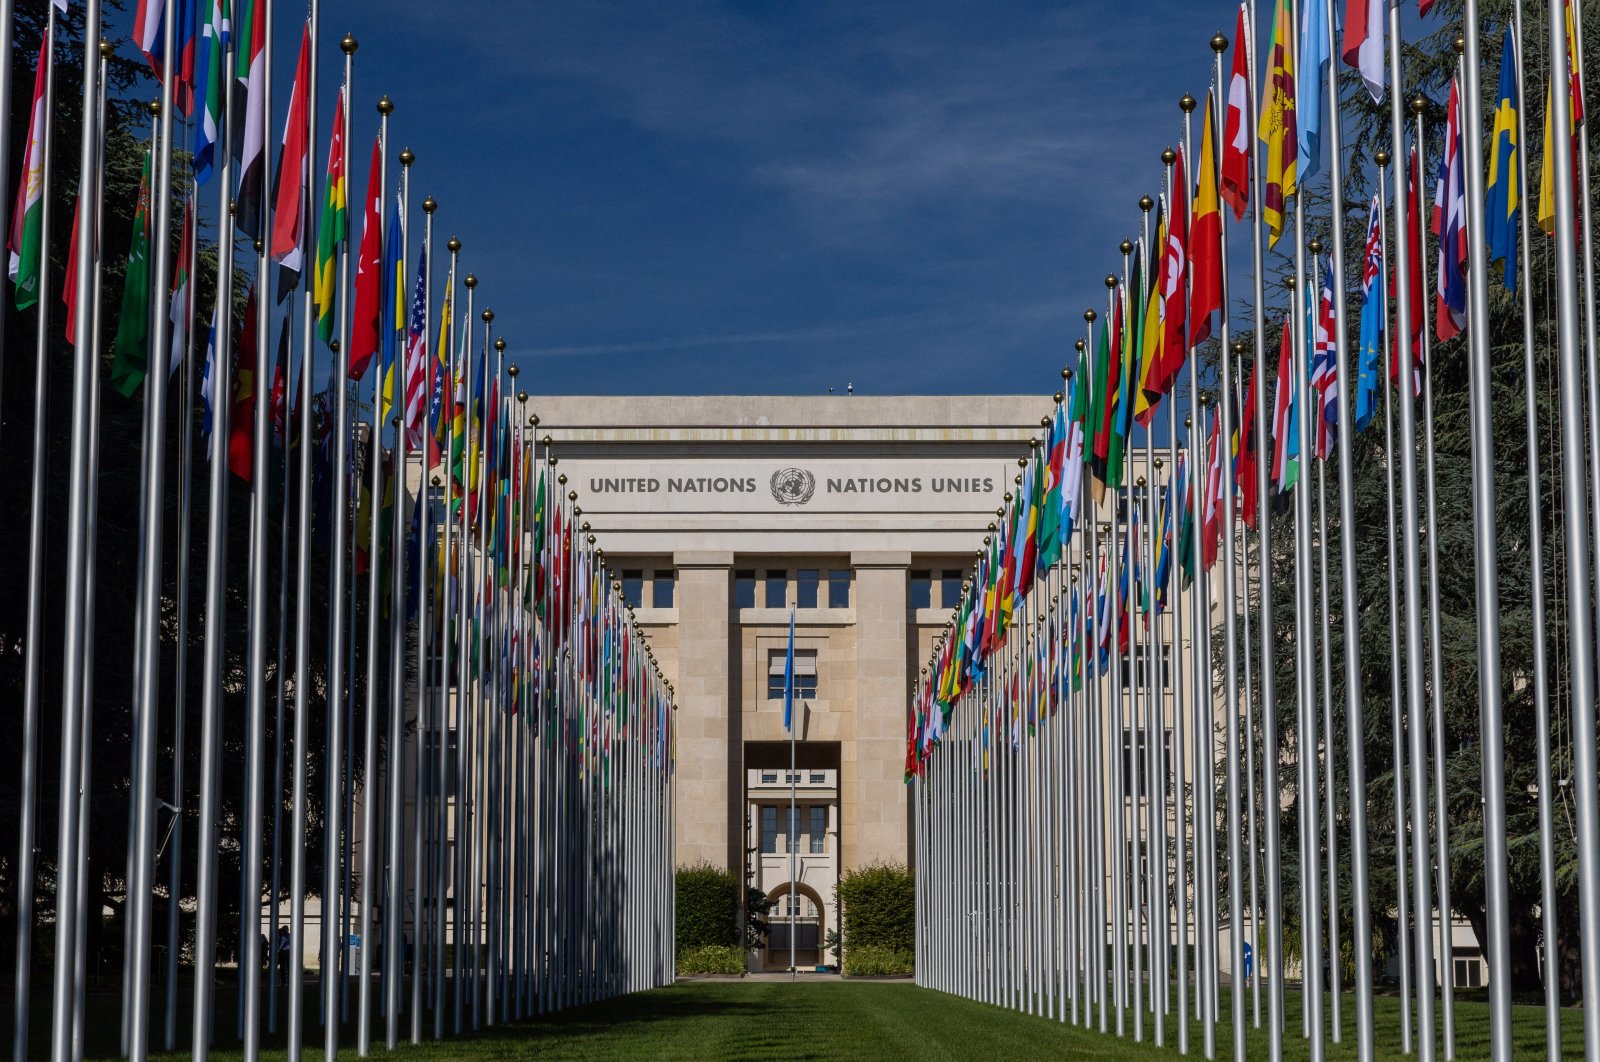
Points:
x=836 y=1020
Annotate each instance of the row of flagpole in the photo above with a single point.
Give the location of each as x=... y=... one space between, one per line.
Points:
x=1080 y=872
x=505 y=705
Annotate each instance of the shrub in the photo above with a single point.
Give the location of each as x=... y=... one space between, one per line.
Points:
x=878 y=909
x=711 y=959
x=708 y=908
x=874 y=960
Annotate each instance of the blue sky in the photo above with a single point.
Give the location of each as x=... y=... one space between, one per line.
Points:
x=744 y=198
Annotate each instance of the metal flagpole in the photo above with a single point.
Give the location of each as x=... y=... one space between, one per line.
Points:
x=91 y=534
x=250 y=911
x=788 y=709
x=449 y=691
x=216 y=587
x=1267 y=632
x=150 y=590
x=1184 y=824
x=428 y=707
x=394 y=847
x=1356 y=773
x=1541 y=674
x=77 y=709
x=27 y=821
x=1119 y=844
x=369 y=758
x=1411 y=567
x=274 y=971
x=1419 y=105
x=1486 y=570
x=333 y=928
x=302 y=648
x=1397 y=725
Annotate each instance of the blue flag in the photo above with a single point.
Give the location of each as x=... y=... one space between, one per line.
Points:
x=788 y=679
x=1501 y=196
x=1374 y=303
x=388 y=330
x=1311 y=81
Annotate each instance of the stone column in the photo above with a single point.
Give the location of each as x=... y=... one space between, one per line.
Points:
x=881 y=704
x=708 y=819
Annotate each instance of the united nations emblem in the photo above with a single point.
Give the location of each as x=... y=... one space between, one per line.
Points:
x=793 y=486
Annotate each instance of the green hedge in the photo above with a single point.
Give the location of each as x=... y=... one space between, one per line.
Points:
x=874 y=960
x=711 y=959
x=708 y=909
x=878 y=914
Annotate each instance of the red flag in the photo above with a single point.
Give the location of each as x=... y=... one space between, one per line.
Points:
x=69 y=286
x=1205 y=238
x=1281 y=408
x=288 y=217
x=1236 y=138
x=1174 y=284
x=1414 y=274
x=1245 y=466
x=369 y=266
x=242 y=415
x=1211 y=503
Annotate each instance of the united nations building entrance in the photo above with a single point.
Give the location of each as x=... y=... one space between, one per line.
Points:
x=810 y=836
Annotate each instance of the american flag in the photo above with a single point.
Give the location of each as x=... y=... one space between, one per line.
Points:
x=416 y=356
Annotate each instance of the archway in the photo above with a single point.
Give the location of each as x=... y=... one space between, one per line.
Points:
x=807 y=923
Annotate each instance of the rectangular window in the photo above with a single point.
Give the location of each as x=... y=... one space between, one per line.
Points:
x=661 y=582
x=806 y=588
x=777 y=589
x=921 y=590
x=819 y=830
x=744 y=589
x=805 y=674
x=769 y=830
x=769 y=777
x=633 y=588
x=1143 y=751
x=819 y=778
x=950 y=590
x=839 y=588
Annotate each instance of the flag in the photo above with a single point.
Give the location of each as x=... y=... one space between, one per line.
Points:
x=1363 y=42
x=1450 y=225
x=1236 y=136
x=1211 y=512
x=1285 y=466
x=1324 y=377
x=1312 y=64
x=392 y=307
x=277 y=398
x=1050 y=508
x=183 y=54
x=289 y=183
x=27 y=217
x=369 y=298
x=1205 y=238
x=1547 y=172
x=178 y=311
x=1413 y=237
x=1277 y=129
x=1072 y=474
x=332 y=226
x=242 y=402
x=130 y=350
x=1128 y=376
x=441 y=375
x=788 y=679
x=251 y=70
x=1374 y=308
x=1247 y=464
x=147 y=26
x=417 y=355
x=69 y=279
x=1098 y=428
x=208 y=387
x=1502 y=197
x=213 y=46
x=1151 y=336
x=1172 y=347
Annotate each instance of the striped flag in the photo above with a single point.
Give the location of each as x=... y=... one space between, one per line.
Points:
x=1450 y=225
x=1285 y=466
x=369 y=292
x=1324 y=377
x=213 y=46
x=333 y=226
x=178 y=311
x=1503 y=197
x=27 y=218
x=252 y=73
x=1205 y=238
x=417 y=356
x=147 y=25
x=289 y=183
x=1363 y=42
x=131 y=348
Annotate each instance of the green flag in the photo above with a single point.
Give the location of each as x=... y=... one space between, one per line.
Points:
x=131 y=349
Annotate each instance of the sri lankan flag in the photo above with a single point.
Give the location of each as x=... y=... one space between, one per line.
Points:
x=1278 y=129
x=332 y=227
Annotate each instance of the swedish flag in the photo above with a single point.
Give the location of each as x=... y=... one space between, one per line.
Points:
x=1501 y=197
